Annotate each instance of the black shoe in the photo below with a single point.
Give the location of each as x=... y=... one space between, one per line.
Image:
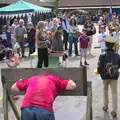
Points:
x=81 y=64
x=85 y=63
x=114 y=114
x=65 y=57
x=24 y=56
x=77 y=55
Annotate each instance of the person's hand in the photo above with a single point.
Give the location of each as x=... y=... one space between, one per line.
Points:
x=89 y=45
x=49 y=50
x=48 y=32
x=74 y=31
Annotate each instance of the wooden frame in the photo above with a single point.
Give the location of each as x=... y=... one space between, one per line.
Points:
x=61 y=54
x=79 y=75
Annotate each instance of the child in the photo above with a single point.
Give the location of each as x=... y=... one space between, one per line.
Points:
x=12 y=61
x=12 y=58
x=108 y=66
x=84 y=42
x=101 y=37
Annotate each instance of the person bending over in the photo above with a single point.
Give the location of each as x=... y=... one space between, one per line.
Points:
x=41 y=92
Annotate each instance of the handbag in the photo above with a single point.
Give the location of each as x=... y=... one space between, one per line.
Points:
x=16 y=46
x=70 y=37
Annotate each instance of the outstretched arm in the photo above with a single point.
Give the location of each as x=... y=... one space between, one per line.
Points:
x=20 y=85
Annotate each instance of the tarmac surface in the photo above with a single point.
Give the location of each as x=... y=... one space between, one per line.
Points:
x=73 y=108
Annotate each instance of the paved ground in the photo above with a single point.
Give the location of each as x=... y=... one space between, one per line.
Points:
x=74 y=108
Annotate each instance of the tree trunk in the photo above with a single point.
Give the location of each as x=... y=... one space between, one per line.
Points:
x=56 y=5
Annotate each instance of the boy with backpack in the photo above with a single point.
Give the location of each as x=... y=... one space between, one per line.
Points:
x=108 y=66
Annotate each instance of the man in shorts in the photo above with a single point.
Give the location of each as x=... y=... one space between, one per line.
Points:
x=84 y=43
x=41 y=92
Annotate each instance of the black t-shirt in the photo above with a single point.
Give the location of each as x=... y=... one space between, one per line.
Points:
x=90 y=27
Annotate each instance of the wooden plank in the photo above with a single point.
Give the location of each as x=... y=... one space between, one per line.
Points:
x=76 y=74
x=13 y=106
x=85 y=80
x=89 y=102
x=5 y=103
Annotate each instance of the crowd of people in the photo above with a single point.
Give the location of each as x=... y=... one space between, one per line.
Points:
x=55 y=36
x=50 y=36
x=59 y=35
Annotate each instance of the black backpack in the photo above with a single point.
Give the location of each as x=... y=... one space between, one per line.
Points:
x=111 y=66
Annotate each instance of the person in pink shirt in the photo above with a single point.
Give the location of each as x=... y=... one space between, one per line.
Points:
x=40 y=93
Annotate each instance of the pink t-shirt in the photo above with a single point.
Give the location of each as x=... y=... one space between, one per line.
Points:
x=41 y=91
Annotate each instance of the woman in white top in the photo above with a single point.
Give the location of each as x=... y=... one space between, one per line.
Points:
x=72 y=31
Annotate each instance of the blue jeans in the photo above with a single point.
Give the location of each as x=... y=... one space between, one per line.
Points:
x=34 y=113
x=75 y=42
x=8 y=39
x=102 y=51
x=31 y=47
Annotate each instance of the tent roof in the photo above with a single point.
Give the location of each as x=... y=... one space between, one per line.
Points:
x=21 y=6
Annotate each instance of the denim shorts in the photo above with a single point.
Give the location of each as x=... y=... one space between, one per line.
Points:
x=35 y=113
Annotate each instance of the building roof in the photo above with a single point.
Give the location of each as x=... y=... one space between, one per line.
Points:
x=36 y=2
x=87 y=3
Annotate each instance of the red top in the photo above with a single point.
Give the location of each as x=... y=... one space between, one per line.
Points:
x=41 y=91
x=84 y=40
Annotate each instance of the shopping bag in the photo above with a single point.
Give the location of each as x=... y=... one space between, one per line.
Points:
x=16 y=46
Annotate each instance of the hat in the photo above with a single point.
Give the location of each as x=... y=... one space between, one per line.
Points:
x=112 y=28
x=110 y=39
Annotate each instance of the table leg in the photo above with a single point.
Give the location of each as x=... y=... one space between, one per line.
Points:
x=31 y=60
x=62 y=61
x=66 y=63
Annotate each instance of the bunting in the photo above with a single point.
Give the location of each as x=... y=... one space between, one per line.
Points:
x=15 y=15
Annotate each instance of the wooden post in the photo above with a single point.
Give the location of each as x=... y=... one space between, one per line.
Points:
x=5 y=103
x=13 y=106
x=84 y=72
x=3 y=82
x=89 y=102
x=56 y=5
x=10 y=76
